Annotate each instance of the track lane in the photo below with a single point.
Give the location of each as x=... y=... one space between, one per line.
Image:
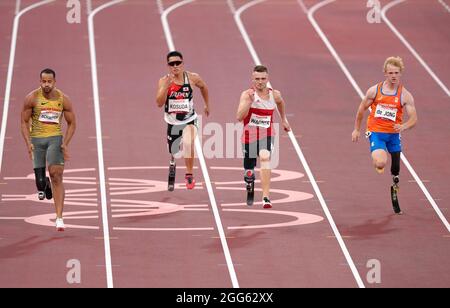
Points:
x=31 y=251
x=366 y=217
x=261 y=254
x=146 y=253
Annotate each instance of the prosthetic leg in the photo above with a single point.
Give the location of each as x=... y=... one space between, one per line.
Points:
x=172 y=174
x=43 y=184
x=395 y=170
x=249 y=179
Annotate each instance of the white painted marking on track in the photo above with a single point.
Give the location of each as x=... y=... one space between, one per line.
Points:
x=88 y=7
x=12 y=56
x=160 y=6
x=201 y=158
x=445 y=5
x=232 y=6
x=296 y=145
x=409 y=46
x=101 y=163
x=17 y=7
x=360 y=93
x=303 y=6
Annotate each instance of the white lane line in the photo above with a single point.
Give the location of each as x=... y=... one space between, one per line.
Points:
x=445 y=5
x=303 y=6
x=88 y=7
x=360 y=93
x=408 y=45
x=302 y=158
x=232 y=6
x=98 y=125
x=160 y=6
x=198 y=147
x=17 y=7
x=12 y=56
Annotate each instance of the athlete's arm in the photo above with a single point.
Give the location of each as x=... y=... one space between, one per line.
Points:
x=69 y=116
x=282 y=109
x=199 y=83
x=245 y=103
x=27 y=111
x=161 y=94
x=365 y=104
x=408 y=104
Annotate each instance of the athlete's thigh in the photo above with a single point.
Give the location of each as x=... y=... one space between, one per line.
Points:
x=394 y=143
x=39 y=152
x=377 y=142
x=55 y=155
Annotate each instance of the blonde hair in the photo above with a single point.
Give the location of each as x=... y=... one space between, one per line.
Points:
x=395 y=61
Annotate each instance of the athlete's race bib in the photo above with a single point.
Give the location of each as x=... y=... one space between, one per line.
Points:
x=50 y=116
x=386 y=113
x=179 y=106
x=260 y=121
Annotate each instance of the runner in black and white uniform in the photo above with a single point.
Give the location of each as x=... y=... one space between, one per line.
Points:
x=175 y=94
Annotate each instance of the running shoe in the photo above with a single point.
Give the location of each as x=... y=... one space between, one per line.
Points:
x=60 y=224
x=41 y=195
x=190 y=181
x=266 y=203
x=48 y=189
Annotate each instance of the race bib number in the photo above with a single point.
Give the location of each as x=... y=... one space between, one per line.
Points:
x=260 y=121
x=179 y=106
x=50 y=116
x=386 y=113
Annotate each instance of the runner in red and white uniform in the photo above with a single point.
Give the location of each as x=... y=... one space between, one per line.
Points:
x=256 y=111
x=175 y=94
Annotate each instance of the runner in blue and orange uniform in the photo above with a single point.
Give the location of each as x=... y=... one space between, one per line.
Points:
x=175 y=94
x=387 y=102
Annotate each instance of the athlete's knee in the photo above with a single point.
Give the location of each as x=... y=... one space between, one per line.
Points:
x=379 y=163
x=264 y=156
x=39 y=174
x=56 y=175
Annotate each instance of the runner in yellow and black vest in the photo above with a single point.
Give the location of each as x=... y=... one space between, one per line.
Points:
x=45 y=108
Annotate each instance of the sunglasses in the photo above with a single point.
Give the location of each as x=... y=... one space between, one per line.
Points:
x=175 y=63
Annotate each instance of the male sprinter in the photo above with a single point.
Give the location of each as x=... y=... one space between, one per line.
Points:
x=175 y=94
x=387 y=101
x=256 y=110
x=45 y=108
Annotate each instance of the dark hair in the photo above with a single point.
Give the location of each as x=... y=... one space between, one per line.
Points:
x=261 y=69
x=174 y=54
x=48 y=71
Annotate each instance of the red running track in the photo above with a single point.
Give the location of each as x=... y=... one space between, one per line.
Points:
x=171 y=240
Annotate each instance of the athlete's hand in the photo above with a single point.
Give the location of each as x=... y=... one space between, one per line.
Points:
x=31 y=151
x=168 y=79
x=286 y=126
x=65 y=151
x=355 y=135
x=251 y=94
x=399 y=128
x=206 y=110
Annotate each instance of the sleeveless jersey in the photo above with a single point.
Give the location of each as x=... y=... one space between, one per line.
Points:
x=179 y=107
x=46 y=116
x=387 y=110
x=259 y=122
